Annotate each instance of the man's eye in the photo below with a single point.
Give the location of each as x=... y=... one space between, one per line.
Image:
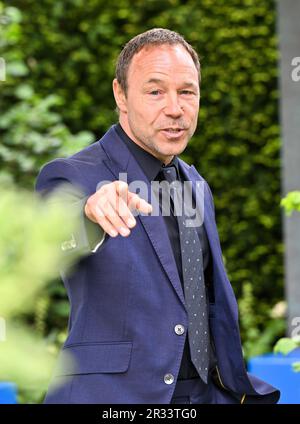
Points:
x=155 y=92
x=188 y=92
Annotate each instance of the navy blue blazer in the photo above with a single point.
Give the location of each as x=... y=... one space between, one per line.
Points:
x=126 y=298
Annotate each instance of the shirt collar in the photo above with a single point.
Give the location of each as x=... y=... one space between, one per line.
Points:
x=149 y=163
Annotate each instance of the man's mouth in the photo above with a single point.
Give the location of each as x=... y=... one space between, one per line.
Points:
x=173 y=132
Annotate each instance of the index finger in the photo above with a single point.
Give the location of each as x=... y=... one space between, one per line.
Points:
x=136 y=202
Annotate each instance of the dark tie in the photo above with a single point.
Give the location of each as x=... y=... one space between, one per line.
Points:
x=193 y=279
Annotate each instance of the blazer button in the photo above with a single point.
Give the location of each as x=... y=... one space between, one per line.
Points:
x=169 y=378
x=179 y=329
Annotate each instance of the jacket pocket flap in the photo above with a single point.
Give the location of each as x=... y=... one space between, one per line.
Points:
x=93 y=358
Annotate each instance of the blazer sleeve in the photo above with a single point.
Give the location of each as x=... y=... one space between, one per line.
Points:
x=60 y=181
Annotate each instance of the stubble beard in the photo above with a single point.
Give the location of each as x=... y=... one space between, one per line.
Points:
x=149 y=144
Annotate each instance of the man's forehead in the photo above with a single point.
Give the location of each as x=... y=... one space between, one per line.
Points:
x=157 y=58
x=154 y=48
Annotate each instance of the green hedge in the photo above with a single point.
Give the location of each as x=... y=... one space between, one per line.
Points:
x=69 y=49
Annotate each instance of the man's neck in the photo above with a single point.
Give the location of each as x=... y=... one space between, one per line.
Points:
x=126 y=129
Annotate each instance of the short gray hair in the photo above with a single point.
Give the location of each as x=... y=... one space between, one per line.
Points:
x=152 y=37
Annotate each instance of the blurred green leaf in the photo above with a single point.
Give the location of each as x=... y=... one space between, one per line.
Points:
x=291 y=202
x=16 y=69
x=31 y=233
x=285 y=345
x=296 y=366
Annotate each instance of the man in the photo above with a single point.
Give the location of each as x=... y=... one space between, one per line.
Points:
x=141 y=330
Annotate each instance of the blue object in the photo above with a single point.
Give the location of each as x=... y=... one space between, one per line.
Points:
x=277 y=370
x=8 y=393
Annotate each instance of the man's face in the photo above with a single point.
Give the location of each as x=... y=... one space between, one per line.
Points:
x=160 y=110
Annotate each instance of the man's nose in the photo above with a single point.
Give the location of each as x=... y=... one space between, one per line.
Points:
x=173 y=107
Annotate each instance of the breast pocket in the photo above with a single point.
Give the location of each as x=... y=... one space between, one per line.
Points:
x=94 y=358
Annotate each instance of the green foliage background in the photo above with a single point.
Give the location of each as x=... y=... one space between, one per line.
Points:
x=29 y=258
x=57 y=98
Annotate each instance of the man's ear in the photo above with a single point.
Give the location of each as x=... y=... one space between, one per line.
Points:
x=120 y=96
